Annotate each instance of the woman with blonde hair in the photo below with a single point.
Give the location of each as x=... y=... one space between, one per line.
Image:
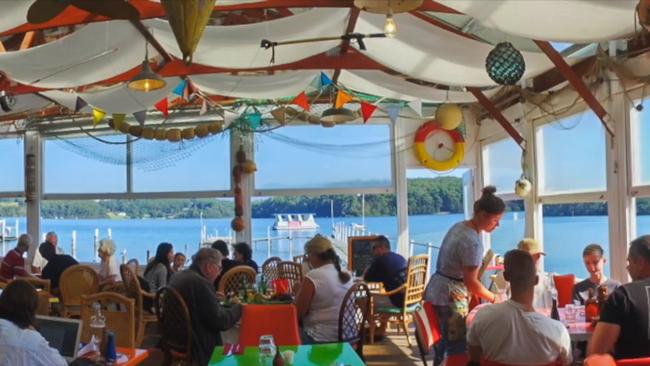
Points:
x=321 y=292
x=109 y=272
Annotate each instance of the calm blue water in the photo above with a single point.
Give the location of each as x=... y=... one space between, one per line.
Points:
x=564 y=237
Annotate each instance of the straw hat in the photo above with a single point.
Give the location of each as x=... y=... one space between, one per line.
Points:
x=318 y=244
x=530 y=245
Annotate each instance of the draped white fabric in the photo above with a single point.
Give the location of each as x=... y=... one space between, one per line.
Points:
x=117 y=99
x=238 y=46
x=14 y=13
x=429 y=53
x=95 y=52
x=28 y=102
x=575 y=21
x=279 y=85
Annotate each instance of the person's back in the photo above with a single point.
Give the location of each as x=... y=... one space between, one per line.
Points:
x=156 y=277
x=12 y=265
x=321 y=322
x=389 y=269
x=55 y=267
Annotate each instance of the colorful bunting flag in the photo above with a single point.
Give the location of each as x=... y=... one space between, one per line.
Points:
x=325 y=80
x=98 y=115
x=302 y=101
x=118 y=120
x=204 y=108
x=280 y=115
x=367 y=110
x=342 y=98
x=315 y=84
x=180 y=88
x=254 y=119
x=393 y=112
x=140 y=116
x=229 y=117
x=416 y=105
x=163 y=106
x=79 y=104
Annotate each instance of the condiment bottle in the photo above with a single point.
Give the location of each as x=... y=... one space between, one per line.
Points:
x=592 y=309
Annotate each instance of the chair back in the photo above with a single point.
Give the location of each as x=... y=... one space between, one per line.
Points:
x=270 y=269
x=133 y=291
x=564 y=285
x=416 y=279
x=232 y=280
x=281 y=321
x=292 y=272
x=300 y=259
x=353 y=316
x=485 y=362
x=175 y=324
x=427 y=327
x=134 y=265
x=75 y=281
x=119 y=312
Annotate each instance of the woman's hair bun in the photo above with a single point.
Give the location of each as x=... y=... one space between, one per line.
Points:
x=489 y=190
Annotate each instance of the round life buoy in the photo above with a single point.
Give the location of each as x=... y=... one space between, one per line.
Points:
x=421 y=136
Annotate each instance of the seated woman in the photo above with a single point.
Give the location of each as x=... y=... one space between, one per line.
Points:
x=20 y=343
x=243 y=255
x=159 y=269
x=321 y=292
x=109 y=272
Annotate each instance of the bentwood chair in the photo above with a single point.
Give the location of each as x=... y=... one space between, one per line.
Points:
x=270 y=269
x=292 y=272
x=353 y=315
x=175 y=326
x=413 y=289
x=304 y=263
x=132 y=288
x=119 y=313
x=233 y=280
x=75 y=281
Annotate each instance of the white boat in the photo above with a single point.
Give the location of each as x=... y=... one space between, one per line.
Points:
x=295 y=222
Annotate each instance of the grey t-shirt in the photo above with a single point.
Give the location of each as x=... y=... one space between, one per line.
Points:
x=460 y=248
x=581 y=289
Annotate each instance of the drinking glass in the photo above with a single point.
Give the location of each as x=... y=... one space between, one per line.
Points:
x=570 y=312
x=267 y=346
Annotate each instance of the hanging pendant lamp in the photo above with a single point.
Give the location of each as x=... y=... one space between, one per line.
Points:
x=147 y=80
x=337 y=115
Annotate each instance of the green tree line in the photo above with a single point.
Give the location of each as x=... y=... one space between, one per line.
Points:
x=425 y=196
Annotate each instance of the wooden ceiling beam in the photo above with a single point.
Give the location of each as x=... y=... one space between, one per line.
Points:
x=345 y=44
x=498 y=116
x=152 y=40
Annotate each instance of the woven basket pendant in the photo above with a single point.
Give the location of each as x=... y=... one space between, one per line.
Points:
x=188 y=19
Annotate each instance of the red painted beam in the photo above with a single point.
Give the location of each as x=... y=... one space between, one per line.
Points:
x=345 y=45
x=498 y=116
x=577 y=83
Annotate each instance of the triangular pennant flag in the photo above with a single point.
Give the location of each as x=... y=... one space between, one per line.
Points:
x=180 y=88
x=315 y=84
x=254 y=119
x=416 y=105
x=301 y=100
x=204 y=108
x=163 y=106
x=79 y=104
x=393 y=111
x=118 y=120
x=98 y=115
x=140 y=116
x=229 y=117
x=367 y=110
x=280 y=115
x=325 y=80
x=342 y=98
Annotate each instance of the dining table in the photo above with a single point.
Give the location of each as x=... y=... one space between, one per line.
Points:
x=131 y=356
x=327 y=354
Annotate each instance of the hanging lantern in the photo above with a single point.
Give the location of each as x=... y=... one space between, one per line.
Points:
x=249 y=167
x=449 y=115
x=237 y=224
x=505 y=64
x=523 y=187
x=188 y=19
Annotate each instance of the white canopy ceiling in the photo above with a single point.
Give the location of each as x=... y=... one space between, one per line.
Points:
x=575 y=21
x=29 y=102
x=14 y=13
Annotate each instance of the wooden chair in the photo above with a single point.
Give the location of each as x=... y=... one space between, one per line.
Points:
x=232 y=280
x=142 y=316
x=175 y=326
x=416 y=279
x=353 y=316
x=119 y=312
x=75 y=281
x=304 y=263
x=292 y=272
x=38 y=283
x=300 y=259
x=43 y=288
x=270 y=268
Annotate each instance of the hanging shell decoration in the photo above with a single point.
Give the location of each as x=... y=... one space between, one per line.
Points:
x=188 y=19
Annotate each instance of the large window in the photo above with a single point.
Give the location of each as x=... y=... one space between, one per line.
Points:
x=84 y=165
x=199 y=165
x=511 y=228
x=13 y=165
x=315 y=157
x=572 y=155
x=640 y=134
x=568 y=228
x=642 y=216
x=502 y=165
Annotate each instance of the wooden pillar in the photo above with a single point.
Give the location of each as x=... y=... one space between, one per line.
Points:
x=33 y=188
x=401 y=186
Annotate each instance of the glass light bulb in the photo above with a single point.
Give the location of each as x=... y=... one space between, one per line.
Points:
x=147 y=86
x=390 y=27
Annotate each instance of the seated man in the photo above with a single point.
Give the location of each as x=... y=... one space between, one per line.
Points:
x=534 y=248
x=209 y=318
x=594 y=259
x=623 y=326
x=38 y=263
x=226 y=262
x=56 y=263
x=512 y=332
x=388 y=268
x=13 y=264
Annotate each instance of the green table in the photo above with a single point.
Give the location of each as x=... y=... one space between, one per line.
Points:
x=330 y=354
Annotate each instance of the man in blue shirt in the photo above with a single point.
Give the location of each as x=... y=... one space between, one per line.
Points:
x=388 y=268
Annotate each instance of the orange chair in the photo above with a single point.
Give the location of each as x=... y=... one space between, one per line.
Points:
x=494 y=363
x=564 y=285
x=603 y=359
x=281 y=321
x=645 y=361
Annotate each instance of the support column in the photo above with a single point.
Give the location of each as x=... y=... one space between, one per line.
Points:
x=399 y=151
x=238 y=139
x=33 y=188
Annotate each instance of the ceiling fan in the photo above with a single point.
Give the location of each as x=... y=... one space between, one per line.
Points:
x=45 y=10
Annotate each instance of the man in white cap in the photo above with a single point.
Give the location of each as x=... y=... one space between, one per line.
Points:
x=534 y=248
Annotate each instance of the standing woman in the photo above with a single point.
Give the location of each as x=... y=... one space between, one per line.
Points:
x=456 y=277
x=159 y=269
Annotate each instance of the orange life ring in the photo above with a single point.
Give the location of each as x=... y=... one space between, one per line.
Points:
x=421 y=136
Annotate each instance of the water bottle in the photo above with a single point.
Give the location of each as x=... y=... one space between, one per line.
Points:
x=97 y=326
x=110 y=352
